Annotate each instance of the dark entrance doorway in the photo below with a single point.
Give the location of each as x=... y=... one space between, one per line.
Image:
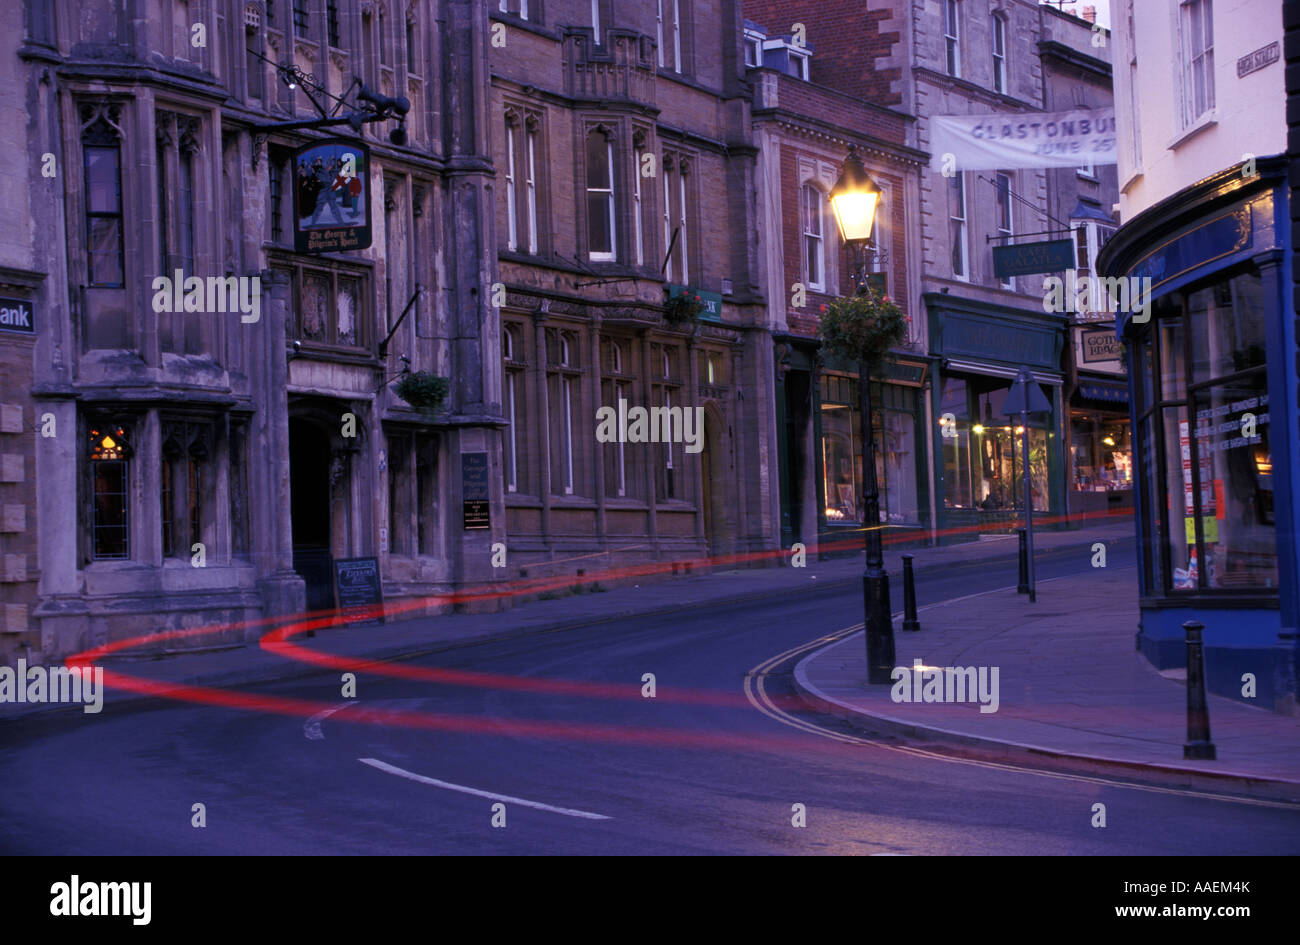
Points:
x=309 y=508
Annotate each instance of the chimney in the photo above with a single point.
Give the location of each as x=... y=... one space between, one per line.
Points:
x=1090 y=14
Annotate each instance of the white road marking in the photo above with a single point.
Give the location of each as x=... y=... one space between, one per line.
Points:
x=311 y=728
x=434 y=782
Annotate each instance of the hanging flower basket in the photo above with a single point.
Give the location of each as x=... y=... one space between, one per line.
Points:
x=682 y=309
x=862 y=328
x=423 y=390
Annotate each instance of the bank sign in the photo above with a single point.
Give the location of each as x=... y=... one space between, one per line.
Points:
x=16 y=315
x=331 y=196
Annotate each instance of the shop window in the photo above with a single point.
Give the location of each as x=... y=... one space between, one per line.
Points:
x=1101 y=452
x=997 y=444
x=893 y=434
x=954 y=437
x=1150 y=499
x=1208 y=494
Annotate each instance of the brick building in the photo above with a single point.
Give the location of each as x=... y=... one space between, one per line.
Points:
x=804 y=130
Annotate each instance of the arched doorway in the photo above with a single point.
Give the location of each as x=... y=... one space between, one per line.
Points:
x=310 y=510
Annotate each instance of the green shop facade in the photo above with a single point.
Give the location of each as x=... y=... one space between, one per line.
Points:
x=977 y=349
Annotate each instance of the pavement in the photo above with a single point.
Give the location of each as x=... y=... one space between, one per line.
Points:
x=1071 y=686
x=1071 y=683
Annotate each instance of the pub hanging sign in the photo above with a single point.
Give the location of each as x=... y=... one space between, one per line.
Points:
x=331 y=196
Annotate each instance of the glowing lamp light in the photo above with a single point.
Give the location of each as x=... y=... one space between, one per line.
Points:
x=854 y=199
x=977 y=429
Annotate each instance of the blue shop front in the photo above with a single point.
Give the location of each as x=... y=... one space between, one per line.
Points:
x=1212 y=378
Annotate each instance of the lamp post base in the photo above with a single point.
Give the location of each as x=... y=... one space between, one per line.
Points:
x=880 y=626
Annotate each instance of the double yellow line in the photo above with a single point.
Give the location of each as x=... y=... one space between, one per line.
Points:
x=756 y=693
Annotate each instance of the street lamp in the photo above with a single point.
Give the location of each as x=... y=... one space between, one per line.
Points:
x=854 y=199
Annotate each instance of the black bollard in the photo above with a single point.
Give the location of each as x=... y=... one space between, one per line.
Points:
x=909 y=596
x=1023 y=586
x=1198 y=744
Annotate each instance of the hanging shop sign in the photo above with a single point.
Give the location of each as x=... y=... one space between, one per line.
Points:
x=1033 y=139
x=1100 y=345
x=331 y=196
x=1025 y=259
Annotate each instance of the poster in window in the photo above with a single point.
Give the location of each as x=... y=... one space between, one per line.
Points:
x=331 y=196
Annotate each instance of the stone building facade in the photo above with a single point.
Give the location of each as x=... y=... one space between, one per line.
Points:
x=1098 y=454
x=24 y=272
x=207 y=466
x=625 y=174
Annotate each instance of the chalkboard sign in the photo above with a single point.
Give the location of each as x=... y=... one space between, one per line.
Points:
x=357 y=588
x=474 y=490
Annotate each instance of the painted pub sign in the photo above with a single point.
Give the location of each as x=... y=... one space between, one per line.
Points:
x=331 y=196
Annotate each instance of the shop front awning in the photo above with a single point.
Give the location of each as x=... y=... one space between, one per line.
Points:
x=996 y=370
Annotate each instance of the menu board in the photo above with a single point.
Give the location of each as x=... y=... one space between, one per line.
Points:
x=357 y=588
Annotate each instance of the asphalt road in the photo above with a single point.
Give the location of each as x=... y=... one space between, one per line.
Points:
x=697 y=769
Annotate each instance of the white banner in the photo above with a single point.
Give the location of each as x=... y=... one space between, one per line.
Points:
x=1033 y=139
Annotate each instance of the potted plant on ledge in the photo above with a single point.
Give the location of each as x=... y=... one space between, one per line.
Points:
x=423 y=390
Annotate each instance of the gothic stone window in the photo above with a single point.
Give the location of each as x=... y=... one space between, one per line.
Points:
x=109 y=454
